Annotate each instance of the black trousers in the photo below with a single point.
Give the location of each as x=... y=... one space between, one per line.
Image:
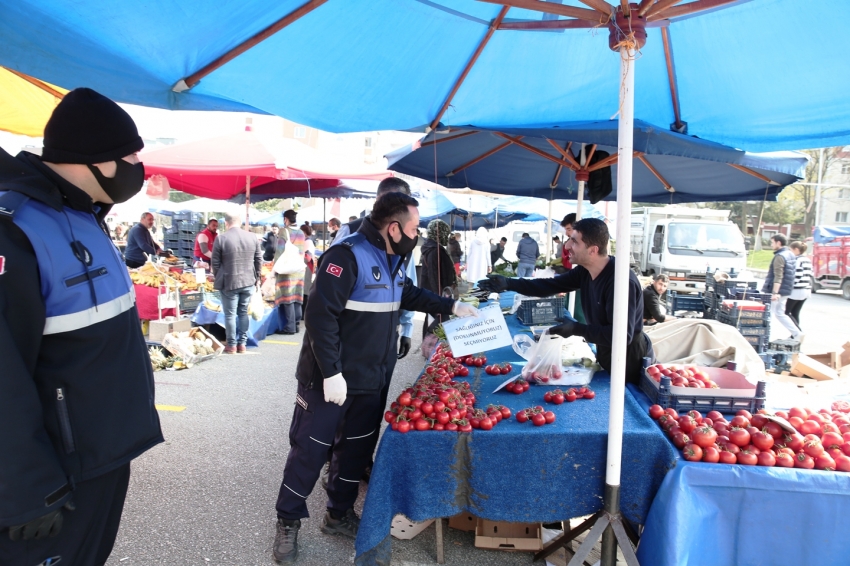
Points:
x=314 y=430
x=88 y=533
x=793 y=308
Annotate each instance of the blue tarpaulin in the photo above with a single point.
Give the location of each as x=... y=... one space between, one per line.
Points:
x=698 y=170
x=826 y=234
x=755 y=74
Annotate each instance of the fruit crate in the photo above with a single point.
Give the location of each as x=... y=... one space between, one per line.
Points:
x=736 y=393
x=788 y=345
x=685 y=302
x=189 y=301
x=759 y=343
x=740 y=323
x=751 y=295
x=541 y=311
x=777 y=361
x=729 y=287
x=744 y=316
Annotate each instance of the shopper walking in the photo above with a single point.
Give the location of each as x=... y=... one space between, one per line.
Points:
x=802 y=282
x=527 y=252
x=780 y=283
x=289 y=288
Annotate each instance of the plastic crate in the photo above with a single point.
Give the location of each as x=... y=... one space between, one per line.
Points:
x=704 y=401
x=189 y=301
x=728 y=288
x=740 y=323
x=769 y=360
x=788 y=345
x=759 y=343
x=745 y=316
x=754 y=330
x=751 y=295
x=779 y=361
x=685 y=302
x=186 y=217
x=541 y=311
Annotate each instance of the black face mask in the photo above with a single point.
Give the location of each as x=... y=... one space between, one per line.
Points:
x=405 y=245
x=128 y=180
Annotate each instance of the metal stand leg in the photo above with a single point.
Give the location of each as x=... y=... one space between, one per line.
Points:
x=441 y=558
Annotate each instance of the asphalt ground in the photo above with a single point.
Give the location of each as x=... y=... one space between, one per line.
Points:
x=207 y=495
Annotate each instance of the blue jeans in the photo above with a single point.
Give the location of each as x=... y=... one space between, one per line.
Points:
x=525 y=270
x=234 y=303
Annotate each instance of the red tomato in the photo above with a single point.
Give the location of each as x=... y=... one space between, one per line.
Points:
x=452 y=427
x=824 y=462
x=547 y=397
x=744 y=413
x=830 y=439
x=784 y=460
x=687 y=424
x=506 y=369
x=774 y=429
x=704 y=436
x=558 y=398
x=538 y=419
x=758 y=421
x=439 y=426
x=813 y=448
x=842 y=463
x=803 y=460
x=796 y=422
x=479 y=362
x=655 y=412
x=672 y=412
x=522 y=417
x=570 y=396
x=797 y=412
x=721 y=428
x=443 y=417
x=404 y=399
x=817 y=417
x=829 y=427
x=747 y=458
x=710 y=454
x=810 y=427
x=740 y=421
x=506 y=413
x=589 y=394
x=389 y=416
x=692 y=452
x=421 y=424
x=549 y=416
x=715 y=416
x=727 y=457
x=766 y=459
x=739 y=437
x=486 y=424
x=762 y=440
x=404 y=427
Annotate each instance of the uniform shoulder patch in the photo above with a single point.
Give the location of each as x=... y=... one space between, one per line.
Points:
x=334 y=269
x=2 y=264
x=346 y=242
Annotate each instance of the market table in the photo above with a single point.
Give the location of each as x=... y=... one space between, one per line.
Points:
x=147 y=303
x=257 y=329
x=515 y=472
x=710 y=514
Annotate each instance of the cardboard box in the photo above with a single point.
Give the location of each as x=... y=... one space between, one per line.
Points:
x=403 y=528
x=830 y=359
x=159 y=328
x=463 y=522
x=812 y=368
x=844 y=358
x=498 y=535
x=172 y=343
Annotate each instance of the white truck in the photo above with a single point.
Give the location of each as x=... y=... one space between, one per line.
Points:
x=684 y=243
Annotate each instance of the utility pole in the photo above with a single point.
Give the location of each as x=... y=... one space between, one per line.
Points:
x=818 y=189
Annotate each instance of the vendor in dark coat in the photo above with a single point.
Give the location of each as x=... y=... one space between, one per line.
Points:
x=652 y=309
x=140 y=242
x=434 y=255
x=593 y=273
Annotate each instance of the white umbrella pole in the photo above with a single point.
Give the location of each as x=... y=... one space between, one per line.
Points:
x=621 y=303
x=247 y=202
x=549 y=230
x=581 y=185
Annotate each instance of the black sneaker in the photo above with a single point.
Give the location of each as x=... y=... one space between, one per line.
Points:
x=285 y=548
x=347 y=526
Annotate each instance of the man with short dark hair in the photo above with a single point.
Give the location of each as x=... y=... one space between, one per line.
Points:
x=567 y=224
x=652 y=309
x=498 y=252
x=270 y=242
x=780 y=283
x=333 y=227
x=527 y=252
x=346 y=360
x=140 y=242
x=77 y=387
x=236 y=262
x=385 y=187
x=593 y=273
x=205 y=241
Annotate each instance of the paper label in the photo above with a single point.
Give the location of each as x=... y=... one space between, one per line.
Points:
x=470 y=335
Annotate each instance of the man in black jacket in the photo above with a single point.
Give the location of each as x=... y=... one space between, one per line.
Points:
x=76 y=389
x=652 y=312
x=140 y=242
x=347 y=357
x=593 y=273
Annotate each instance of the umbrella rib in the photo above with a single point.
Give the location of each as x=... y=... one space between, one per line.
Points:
x=655 y=172
x=533 y=149
x=749 y=171
x=604 y=163
x=479 y=158
x=566 y=153
x=599 y=6
x=195 y=78
x=494 y=25
x=689 y=8
x=644 y=6
x=671 y=75
x=557 y=9
x=660 y=6
x=548 y=24
x=36 y=83
x=457 y=137
x=590 y=155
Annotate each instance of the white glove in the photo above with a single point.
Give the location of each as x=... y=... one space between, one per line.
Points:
x=464 y=309
x=335 y=389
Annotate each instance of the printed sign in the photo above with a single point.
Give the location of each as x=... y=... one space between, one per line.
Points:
x=470 y=335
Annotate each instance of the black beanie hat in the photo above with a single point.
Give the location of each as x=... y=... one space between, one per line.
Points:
x=86 y=127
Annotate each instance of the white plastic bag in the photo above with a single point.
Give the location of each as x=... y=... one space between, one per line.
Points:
x=544 y=360
x=256 y=307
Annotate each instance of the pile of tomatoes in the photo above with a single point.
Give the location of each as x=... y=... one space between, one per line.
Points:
x=542 y=374
x=814 y=440
x=558 y=396
x=498 y=369
x=473 y=361
x=684 y=376
x=537 y=415
x=518 y=387
x=437 y=402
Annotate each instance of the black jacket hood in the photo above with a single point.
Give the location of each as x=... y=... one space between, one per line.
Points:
x=22 y=175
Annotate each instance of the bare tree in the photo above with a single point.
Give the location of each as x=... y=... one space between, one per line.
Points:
x=805 y=194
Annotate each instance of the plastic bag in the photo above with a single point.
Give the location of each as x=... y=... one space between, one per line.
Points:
x=544 y=360
x=256 y=307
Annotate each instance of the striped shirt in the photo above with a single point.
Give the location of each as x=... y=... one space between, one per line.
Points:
x=803 y=274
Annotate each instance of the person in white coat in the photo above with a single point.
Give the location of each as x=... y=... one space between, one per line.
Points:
x=478 y=260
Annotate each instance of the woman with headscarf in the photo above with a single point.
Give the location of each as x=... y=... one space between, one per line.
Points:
x=438 y=271
x=289 y=289
x=478 y=259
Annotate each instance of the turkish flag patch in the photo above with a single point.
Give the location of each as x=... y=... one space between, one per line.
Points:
x=333 y=269
x=3 y=264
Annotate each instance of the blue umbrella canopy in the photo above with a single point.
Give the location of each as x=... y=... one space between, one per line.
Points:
x=542 y=162
x=740 y=72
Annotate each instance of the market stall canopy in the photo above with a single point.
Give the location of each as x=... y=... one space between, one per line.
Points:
x=316 y=188
x=542 y=162
x=460 y=212
x=26 y=103
x=327 y=64
x=132 y=209
x=537 y=209
x=220 y=167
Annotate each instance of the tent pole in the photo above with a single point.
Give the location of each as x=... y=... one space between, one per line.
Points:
x=581 y=185
x=496 y=225
x=549 y=227
x=325 y=220
x=247 y=202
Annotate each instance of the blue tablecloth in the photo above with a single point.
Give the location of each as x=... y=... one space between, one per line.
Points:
x=515 y=472
x=710 y=514
x=257 y=329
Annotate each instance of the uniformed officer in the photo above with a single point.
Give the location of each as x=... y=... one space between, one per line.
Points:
x=76 y=387
x=347 y=357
